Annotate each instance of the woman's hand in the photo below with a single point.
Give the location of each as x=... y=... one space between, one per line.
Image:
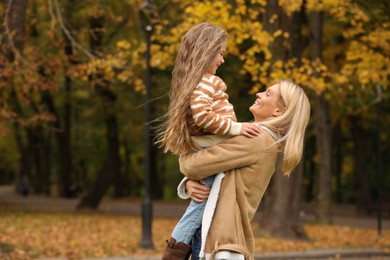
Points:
x=197 y=191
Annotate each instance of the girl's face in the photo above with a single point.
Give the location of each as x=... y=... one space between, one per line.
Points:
x=267 y=104
x=218 y=60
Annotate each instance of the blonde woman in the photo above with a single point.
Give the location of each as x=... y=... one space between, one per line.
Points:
x=283 y=111
x=199 y=116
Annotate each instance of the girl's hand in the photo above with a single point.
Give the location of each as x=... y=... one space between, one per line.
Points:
x=250 y=129
x=197 y=191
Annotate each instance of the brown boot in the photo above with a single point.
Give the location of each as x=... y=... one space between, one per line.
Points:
x=176 y=251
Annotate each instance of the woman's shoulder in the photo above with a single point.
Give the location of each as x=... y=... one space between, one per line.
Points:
x=274 y=135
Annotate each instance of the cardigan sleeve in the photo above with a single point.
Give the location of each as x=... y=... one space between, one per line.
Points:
x=203 y=112
x=233 y=153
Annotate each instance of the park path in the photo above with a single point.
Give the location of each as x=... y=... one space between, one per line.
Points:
x=344 y=215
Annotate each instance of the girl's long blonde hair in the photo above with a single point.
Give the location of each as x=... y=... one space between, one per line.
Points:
x=198 y=48
x=291 y=124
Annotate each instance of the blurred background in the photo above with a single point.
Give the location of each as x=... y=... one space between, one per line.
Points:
x=75 y=83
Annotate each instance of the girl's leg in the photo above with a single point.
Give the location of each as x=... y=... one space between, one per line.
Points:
x=196 y=244
x=178 y=246
x=192 y=219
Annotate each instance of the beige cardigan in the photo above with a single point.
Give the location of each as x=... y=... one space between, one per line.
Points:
x=253 y=163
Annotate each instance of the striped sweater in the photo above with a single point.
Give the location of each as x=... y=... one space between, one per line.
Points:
x=212 y=113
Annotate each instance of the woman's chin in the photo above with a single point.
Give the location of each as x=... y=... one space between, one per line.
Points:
x=253 y=107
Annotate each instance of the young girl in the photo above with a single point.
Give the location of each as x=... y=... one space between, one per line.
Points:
x=199 y=116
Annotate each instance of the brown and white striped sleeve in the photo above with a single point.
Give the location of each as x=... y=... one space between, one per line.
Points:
x=211 y=109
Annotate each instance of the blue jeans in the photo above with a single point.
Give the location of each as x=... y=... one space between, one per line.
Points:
x=196 y=244
x=192 y=218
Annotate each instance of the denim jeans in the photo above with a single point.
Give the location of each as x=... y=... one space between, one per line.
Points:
x=196 y=244
x=192 y=218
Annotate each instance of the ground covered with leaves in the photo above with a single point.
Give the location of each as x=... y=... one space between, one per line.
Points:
x=26 y=235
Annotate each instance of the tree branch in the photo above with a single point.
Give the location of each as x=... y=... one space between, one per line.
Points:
x=57 y=16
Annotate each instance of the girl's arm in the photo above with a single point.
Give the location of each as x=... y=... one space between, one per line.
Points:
x=204 y=116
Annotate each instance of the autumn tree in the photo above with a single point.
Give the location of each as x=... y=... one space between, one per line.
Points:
x=323 y=127
x=283 y=196
x=350 y=89
x=72 y=92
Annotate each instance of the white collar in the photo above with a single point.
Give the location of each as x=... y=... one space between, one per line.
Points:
x=272 y=133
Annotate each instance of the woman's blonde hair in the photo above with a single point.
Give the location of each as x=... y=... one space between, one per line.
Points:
x=291 y=124
x=198 y=48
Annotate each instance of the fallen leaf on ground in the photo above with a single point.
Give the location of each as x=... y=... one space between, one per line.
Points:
x=33 y=235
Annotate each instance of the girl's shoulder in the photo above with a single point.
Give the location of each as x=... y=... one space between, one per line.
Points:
x=219 y=83
x=213 y=79
x=214 y=82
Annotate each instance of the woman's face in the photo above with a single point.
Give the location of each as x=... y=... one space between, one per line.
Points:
x=267 y=104
x=218 y=60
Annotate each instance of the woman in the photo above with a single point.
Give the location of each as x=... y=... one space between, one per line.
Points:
x=283 y=111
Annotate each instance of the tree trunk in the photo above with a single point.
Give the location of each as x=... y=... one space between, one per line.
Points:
x=338 y=161
x=113 y=143
x=36 y=141
x=156 y=167
x=310 y=169
x=47 y=163
x=280 y=210
x=323 y=127
x=362 y=180
x=24 y=149
x=63 y=127
x=110 y=173
x=279 y=52
x=39 y=146
x=111 y=168
x=323 y=142
x=34 y=159
x=280 y=213
x=13 y=43
x=63 y=147
x=33 y=145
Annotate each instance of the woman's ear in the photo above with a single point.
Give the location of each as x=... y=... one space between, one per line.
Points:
x=278 y=112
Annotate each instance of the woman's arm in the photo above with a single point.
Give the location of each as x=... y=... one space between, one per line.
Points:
x=233 y=153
